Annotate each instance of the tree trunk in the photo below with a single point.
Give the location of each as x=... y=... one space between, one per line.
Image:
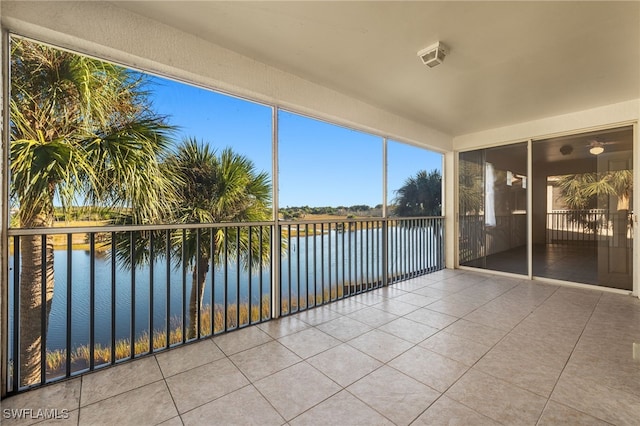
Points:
x=197 y=293
x=33 y=276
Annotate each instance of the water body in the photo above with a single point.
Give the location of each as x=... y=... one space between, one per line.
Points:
x=332 y=258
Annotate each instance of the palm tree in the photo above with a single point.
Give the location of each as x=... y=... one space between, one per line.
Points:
x=81 y=131
x=421 y=195
x=214 y=188
x=470 y=188
x=581 y=190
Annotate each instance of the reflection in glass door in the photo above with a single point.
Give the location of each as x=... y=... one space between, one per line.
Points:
x=493 y=208
x=581 y=216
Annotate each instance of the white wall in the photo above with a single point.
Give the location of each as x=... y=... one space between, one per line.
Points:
x=606 y=116
x=105 y=31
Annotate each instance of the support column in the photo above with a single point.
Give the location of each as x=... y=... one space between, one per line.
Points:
x=450 y=208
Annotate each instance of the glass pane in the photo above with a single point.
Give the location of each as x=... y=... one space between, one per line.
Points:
x=493 y=208
x=92 y=144
x=582 y=208
x=414 y=177
x=326 y=169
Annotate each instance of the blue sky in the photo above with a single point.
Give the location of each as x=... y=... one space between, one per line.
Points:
x=320 y=164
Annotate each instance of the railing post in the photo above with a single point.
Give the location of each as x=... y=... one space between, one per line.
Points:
x=4 y=219
x=385 y=252
x=385 y=219
x=276 y=234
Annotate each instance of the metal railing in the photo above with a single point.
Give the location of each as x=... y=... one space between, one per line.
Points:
x=586 y=225
x=121 y=292
x=330 y=260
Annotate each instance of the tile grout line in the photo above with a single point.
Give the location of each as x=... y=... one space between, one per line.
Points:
x=478 y=360
x=567 y=362
x=164 y=380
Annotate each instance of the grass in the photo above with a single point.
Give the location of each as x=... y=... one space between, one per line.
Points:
x=80 y=356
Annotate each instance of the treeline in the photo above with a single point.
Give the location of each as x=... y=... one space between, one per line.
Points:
x=86 y=213
x=355 y=210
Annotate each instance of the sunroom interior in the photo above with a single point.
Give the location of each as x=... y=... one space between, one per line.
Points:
x=525 y=87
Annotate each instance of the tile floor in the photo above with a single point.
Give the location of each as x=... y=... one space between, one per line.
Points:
x=453 y=347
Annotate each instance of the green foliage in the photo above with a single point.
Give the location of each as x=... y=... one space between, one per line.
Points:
x=470 y=189
x=214 y=188
x=81 y=129
x=421 y=195
x=582 y=191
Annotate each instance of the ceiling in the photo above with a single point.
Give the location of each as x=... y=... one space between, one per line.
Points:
x=509 y=62
x=616 y=142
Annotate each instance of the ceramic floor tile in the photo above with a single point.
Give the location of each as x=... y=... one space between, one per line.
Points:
x=501 y=320
x=575 y=319
x=513 y=305
x=522 y=369
x=597 y=400
x=476 y=332
x=147 y=405
x=119 y=379
x=240 y=340
x=373 y=317
x=243 y=407
x=59 y=419
x=308 y=342
x=542 y=348
x=341 y=409
x=186 y=357
x=264 y=360
x=447 y=412
x=411 y=331
x=396 y=307
x=296 y=389
x=174 y=421
x=398 y=397
x=346 y=306
x=453 y=308
x=558 y=333
x=453 y=285
x=433 y=293
x=283 y=326
x=497 y=399
x=390 y=292
x=206 y=383
x=318 y=315
x=455 y=347
x=412 y=285
x=608 y=346
x=430 y=368
x=344 y=364
x=369 y=298
x=344 y=328
x=558 y=414
x=380 y=345
x=431 y=318
x=61 y=396
x=621 y=373
x=416 y=299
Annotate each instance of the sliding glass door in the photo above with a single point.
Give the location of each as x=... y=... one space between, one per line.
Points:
x=583 y=193
x=493 y=208
x=581 y=210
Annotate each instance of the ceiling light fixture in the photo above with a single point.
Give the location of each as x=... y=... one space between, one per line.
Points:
x=433 y=55
x=596 y=148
